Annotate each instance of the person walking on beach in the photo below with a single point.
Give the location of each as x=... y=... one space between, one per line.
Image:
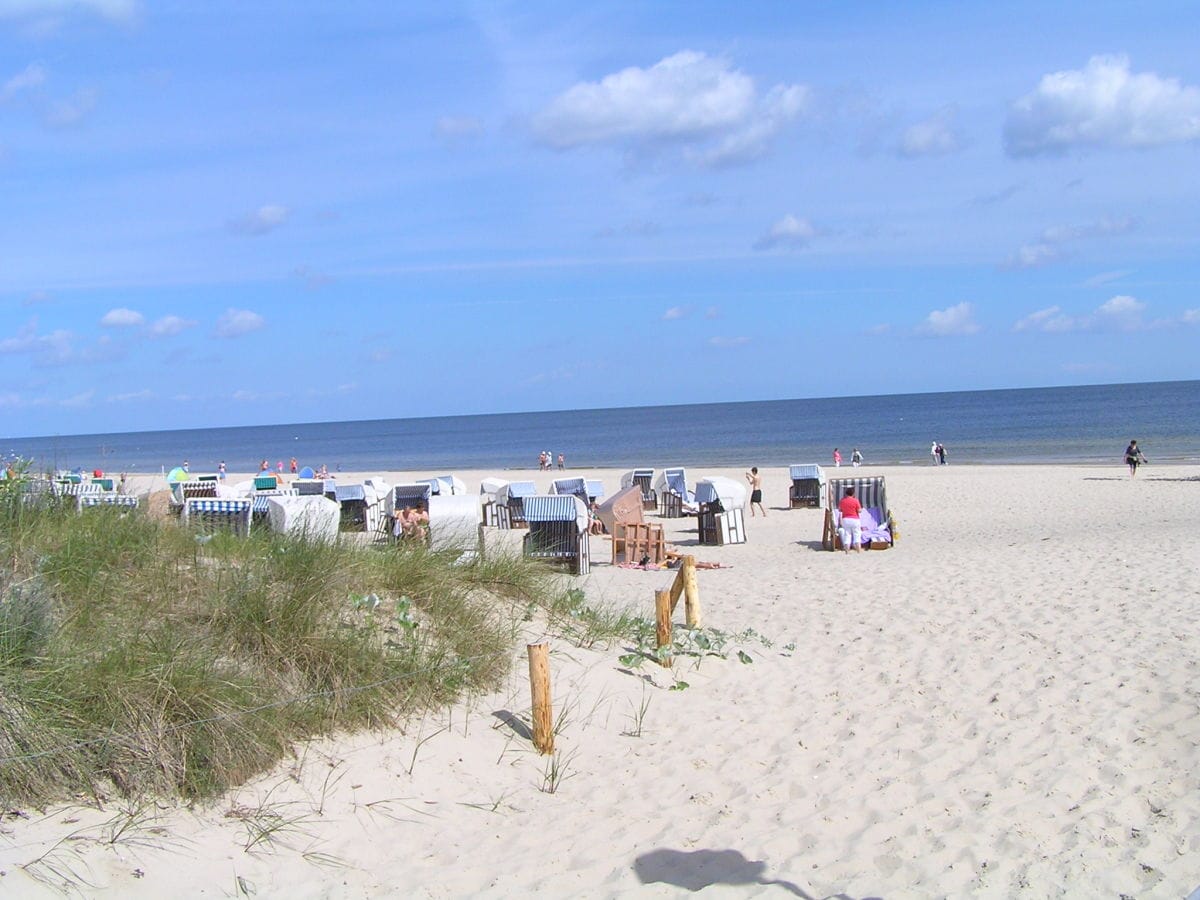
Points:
x=221 y=470
x=941 y=455
x=562 y=462
x=856 y=458
x=1133 y=458
x=755 y=491
x=850 y=531
x=933 y=454
x=837 y=458
x=295 y=468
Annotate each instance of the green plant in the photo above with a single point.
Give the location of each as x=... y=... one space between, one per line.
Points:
x=556 y=771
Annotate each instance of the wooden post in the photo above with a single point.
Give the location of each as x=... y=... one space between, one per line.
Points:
x=539 y=688
x=677 y=587
x=662 y=615
x=691 y=591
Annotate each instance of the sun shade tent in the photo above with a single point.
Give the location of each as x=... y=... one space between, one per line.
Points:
x=573 y=486
x=808 y=486
x=729 y=525
x=644 y=479
x=558 y=531
x=876 y=518
x=511 y=501
x=673 y=493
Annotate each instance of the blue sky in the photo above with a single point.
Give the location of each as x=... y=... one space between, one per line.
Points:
x=230 y=213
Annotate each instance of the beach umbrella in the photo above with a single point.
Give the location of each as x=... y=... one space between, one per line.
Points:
x=177 y=474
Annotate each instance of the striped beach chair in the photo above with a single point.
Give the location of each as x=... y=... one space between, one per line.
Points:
x=808 y=487
x=565 y=486
x=260 y=508
x=871 y=493
x=558 y=531
x=209 y=515
x=511 y=502
x=644 y=479
x=92 y=501
x=403 y=496
x=673 y=494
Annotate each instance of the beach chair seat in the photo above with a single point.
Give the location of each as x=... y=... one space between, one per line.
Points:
x=209 y=515
x=558 y=531
x=644 y=480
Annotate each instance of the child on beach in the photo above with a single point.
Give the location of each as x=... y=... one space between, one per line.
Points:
x=837 y=458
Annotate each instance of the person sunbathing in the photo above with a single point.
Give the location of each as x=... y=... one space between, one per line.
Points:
x=412 y=522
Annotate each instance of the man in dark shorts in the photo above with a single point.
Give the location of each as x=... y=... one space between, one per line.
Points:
x=755 y=491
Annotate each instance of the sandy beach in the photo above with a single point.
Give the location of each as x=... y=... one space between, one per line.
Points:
x=1004 y=704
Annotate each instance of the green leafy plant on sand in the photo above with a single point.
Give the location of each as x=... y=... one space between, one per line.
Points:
x=134 y=659
x=695 y=643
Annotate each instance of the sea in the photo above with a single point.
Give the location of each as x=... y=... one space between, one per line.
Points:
x=1088 y=424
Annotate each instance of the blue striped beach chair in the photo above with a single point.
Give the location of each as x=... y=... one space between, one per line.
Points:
x=871 y=493
x=92 y=501
x=558 y=531
x=570 y=486
x=644 y=479
x=510 y=500
x=260 y=508
x=673 y=494
x=808 y=487
x=403 y=496
x=208 y=515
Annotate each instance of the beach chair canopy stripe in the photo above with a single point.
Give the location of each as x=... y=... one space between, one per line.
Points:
x=409 y=493
x=637 y=476
x=808 y=470
x=88 y=500
x=871 y=492
x=675 y=480
x=556 y=508
x=516 y=489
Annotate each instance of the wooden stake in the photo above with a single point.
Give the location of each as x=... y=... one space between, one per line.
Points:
x=691 y=591
x=539 y=688
x=662 y=615
x=677 y=588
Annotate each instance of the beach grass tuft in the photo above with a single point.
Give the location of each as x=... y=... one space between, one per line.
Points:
x=135 y=659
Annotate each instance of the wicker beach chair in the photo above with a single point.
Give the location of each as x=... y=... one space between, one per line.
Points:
x=673 y=494
x=570 y=486
x=808 y=487
x=872 y=494
x=208 y=515
x=644 y=479
x=721 y=517
x=558 y=531
x=106 y=501
x=511 y=502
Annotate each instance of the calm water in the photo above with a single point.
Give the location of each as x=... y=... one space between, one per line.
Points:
x=1072 y=424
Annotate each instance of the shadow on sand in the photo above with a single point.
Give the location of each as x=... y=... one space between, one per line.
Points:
x=694 y=870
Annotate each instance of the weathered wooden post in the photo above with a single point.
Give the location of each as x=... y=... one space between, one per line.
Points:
x=539 y=688
x=662 y=615
x=691 y=591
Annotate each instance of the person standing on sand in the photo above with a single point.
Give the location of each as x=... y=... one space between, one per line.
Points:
x=562 y=462
x=1133 y=458
x=755 y=491
x=941 y=455
x=933 y=456
x=221 y=470
x=837 y=458
x=294 y=466
x=856 y=458
x=850 y=531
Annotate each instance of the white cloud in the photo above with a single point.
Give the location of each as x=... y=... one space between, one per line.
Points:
x=457 y=128
x=1103 y=278
x=131 y=397
x=31 y=76
x=686 y=99
x=1190 y=317
x=935 y=136
x=122 y=318
x=674 y=313
x=260 y=221
x=720 y=341
x=1049 y=248
x=952 y=321
x=244 y=396
x=1102 y=105
x=236 y=322
x=73 y=110
x=789 y=232
x=52 y=348
x=170 y=325
x=1050 y=319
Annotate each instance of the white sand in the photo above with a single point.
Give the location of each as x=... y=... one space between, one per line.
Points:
x=1003 y=704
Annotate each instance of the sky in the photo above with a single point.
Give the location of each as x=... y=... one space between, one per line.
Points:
x=225 y=213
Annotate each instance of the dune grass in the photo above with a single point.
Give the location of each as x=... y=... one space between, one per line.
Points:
x=135 y=658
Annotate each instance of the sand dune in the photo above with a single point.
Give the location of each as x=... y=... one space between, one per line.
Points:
x=1003 y=704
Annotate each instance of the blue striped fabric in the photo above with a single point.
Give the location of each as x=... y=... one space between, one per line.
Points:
x=76 y=490
x=410 y=492
x=521 y=489
x=806 y=471
x=706 y=492
x=551 y=508
x=107 y=500
x=346 y=492
x=871 y=492
x=229 y=507
x=262 y=499
x=576 y=486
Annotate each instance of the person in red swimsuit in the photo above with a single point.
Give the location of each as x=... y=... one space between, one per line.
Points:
x=850 y=530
